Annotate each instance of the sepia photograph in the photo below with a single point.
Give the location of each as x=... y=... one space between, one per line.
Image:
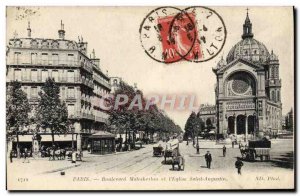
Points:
x=150 y=98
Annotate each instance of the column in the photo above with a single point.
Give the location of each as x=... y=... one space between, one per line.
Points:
x=235 y=126
x=246 y=131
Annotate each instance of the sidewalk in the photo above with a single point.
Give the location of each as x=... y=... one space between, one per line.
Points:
x=40 y=165
x=43 y=165
x=210 y=144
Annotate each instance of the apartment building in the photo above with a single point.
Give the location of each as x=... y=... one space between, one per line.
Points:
x=82 y=82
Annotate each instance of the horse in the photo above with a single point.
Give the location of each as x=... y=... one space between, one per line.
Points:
x=244 y=152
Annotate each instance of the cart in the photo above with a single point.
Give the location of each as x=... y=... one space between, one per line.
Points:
x=255 y=149
x=158 y=151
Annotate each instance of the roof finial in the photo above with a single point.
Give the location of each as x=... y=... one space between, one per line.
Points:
x=29 y=30
x=15 y=34
x=247 y=27
x=93 y=52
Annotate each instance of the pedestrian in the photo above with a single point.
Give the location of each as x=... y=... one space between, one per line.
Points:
x=232 y=144
x=11 y=156
x=239 y=164
x=208 y=159
x=25 y=155
x=224 y=151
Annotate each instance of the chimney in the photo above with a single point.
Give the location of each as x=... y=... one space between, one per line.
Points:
x=61 y=32
x=29 y=30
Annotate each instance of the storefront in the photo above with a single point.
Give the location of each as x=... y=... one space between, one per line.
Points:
x=62 y=141
x=102 y=143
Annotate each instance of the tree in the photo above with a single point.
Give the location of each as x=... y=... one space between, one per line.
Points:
x=51 y=112
x=209 y=125
x=150 y=120
x=17 y=111
x=193 y=125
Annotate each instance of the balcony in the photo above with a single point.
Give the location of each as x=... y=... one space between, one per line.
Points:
x=70 y=80
x=87 y=82
x=101 y=81
x=87 y=67
x=38 y=62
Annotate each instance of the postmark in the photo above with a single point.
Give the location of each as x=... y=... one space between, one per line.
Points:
x=155 y=35
x=169 y=34
x=211 y=33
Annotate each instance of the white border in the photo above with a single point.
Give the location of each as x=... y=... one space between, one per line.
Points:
x=4 y=3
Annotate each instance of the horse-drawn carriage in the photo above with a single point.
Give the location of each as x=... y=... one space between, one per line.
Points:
x=258 y=148
x=158 y=151
x=172 y=150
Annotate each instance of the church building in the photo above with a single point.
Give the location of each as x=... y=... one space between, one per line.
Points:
x=248 y=89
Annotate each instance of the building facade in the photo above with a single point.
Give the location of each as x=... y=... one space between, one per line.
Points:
x=32 y=60
x=207 y=112
x=248 y=89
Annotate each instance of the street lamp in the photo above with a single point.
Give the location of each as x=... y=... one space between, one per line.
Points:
x=197 y=145
x=72 y=131
x=254 y=127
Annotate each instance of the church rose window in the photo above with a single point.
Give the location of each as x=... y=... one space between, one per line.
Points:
x=240 y=85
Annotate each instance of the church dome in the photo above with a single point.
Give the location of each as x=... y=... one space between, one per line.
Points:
x=248 y=48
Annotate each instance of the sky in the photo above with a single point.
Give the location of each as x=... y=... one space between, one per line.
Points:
x=114 y=34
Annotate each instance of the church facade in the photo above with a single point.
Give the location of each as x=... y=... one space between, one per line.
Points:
x=248 y=89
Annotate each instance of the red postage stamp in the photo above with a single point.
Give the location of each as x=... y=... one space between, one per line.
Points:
x=178 y=36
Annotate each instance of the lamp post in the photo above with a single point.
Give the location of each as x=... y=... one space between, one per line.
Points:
x=197 y=145
x=254 y=127
x=72 y=131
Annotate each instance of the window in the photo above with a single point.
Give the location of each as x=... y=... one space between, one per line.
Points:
x=55 y=75
x=24 y=74
x=71 y=109
x=34 y=93
x=17 y=57
x=44 y=75
x=71 y=76
x=18 y=75
x=273 y=96
x=71 y=92
x=44 y=58
x=55 y=59
x=34 y=75
x=33 y=58
x=70 y=59
x=278 y=96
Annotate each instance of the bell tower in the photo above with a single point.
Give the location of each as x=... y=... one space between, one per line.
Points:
x=247 y=28
x=274 y=82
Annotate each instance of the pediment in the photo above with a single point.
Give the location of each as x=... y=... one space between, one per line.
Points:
x=240 y=63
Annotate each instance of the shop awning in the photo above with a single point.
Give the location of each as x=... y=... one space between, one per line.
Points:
x=47 y=138
x=102 y=134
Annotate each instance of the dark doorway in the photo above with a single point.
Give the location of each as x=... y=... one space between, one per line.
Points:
x=241 y=124
x=251 y=124
x=231 y=125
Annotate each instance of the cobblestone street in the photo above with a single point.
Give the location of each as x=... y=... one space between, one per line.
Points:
x=141 y=163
